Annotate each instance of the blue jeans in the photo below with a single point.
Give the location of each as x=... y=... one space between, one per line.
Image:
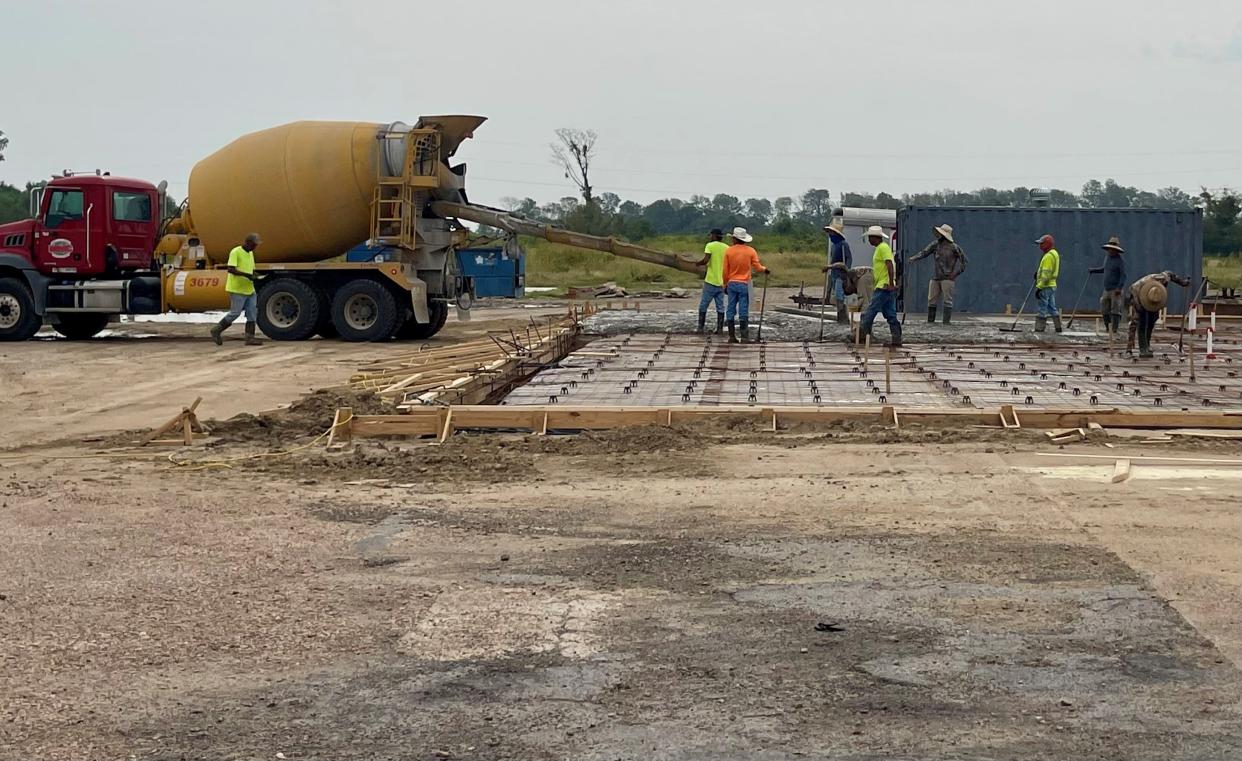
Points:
x=837 y=286
x=739 y=300
x=1048 y=302
x=239 y=303
x=885 y=303
x=712 y=293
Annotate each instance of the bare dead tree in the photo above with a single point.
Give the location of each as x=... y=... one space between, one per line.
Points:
x=573 y=154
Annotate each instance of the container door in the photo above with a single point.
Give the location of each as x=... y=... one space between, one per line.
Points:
x=61 y=245
x=132 y=223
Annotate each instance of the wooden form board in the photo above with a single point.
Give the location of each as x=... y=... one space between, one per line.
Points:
x=441 y=421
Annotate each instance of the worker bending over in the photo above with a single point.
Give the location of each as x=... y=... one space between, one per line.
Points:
x=1046 y=284
x=1148 y=295
x=1114 y=270
x=739 y=261
x=240 y=286
x=884 y=298
x=840 y=260
x=713 y=281
x=950 y=263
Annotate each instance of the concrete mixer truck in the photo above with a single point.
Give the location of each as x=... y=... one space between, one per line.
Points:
x=96 y=246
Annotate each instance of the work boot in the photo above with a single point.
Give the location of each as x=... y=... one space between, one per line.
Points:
x=1056 y=321
x=217 y=332
x=948 y=314
x=931 y=313
x=719 y=323
x=702 y=321
x=732 y=333
x=250 y=339
x=745 y=331
x=895 y=340
x=1041 y=324
x=843 y=314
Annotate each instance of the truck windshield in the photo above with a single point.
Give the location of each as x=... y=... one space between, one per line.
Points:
x=63 y=206
x=131 y=206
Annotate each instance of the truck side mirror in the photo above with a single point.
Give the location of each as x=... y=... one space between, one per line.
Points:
x=36 y=201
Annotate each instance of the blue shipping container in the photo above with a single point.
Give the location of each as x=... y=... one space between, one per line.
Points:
x=1002 y=255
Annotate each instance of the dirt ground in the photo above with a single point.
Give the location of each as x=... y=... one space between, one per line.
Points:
x=707 y=593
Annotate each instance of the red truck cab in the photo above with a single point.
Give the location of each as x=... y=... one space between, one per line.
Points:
x=93 y=233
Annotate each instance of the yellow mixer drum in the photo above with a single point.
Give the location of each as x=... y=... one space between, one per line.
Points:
x=305 y=187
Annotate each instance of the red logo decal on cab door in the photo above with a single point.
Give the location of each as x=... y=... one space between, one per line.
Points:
x=60 y=248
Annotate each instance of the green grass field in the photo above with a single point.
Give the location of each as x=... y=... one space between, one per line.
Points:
x=550 y=264
x=1225 y=271
x=793 y=263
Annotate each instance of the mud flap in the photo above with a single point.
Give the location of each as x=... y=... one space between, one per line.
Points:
x=418 y=301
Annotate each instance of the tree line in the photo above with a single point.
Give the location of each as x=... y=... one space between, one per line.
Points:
x=803 y=216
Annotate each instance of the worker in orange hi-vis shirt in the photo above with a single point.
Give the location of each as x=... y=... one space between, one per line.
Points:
x=740 y=260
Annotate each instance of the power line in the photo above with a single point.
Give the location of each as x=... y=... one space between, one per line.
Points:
x=828 y=178
x=1234 y=151
x=1023 y=179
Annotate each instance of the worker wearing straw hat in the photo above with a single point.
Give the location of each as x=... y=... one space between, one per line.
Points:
x=840 y=261
x=1148 y=295
x=1112 y=300
x=950 y=263
x=739 y=261
x=884 y=298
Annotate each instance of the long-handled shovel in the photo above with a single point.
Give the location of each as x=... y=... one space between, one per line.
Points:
x=1079 y=300
x=763 y=300
x=823 y=303
x=1014 y=327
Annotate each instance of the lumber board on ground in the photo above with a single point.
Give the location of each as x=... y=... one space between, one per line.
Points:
x=1145 y=458
x=430 y=421
x=1121 y=471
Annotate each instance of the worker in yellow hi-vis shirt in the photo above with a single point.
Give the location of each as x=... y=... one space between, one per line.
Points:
x=240 y=286
x=713 y=280
x=1046 y=284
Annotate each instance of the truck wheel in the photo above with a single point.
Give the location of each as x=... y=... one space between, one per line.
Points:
x=289 y=309
x=412 y=330
x=364 y=310
x=79 y=327
x=325 y=329
x=18 y=320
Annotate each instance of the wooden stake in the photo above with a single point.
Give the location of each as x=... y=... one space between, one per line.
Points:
x=888 y=371
x=866 y=350
x=342 y=426
x=448 y=426
x=888 y=416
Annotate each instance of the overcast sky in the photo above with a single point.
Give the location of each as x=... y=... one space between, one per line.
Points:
x=694 y=96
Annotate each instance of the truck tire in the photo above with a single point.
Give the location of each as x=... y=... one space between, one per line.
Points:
x=18 y=320
x=289 y=309
x=325 y=328
x=364 y=310
x=413 y=330
x=79 y=327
